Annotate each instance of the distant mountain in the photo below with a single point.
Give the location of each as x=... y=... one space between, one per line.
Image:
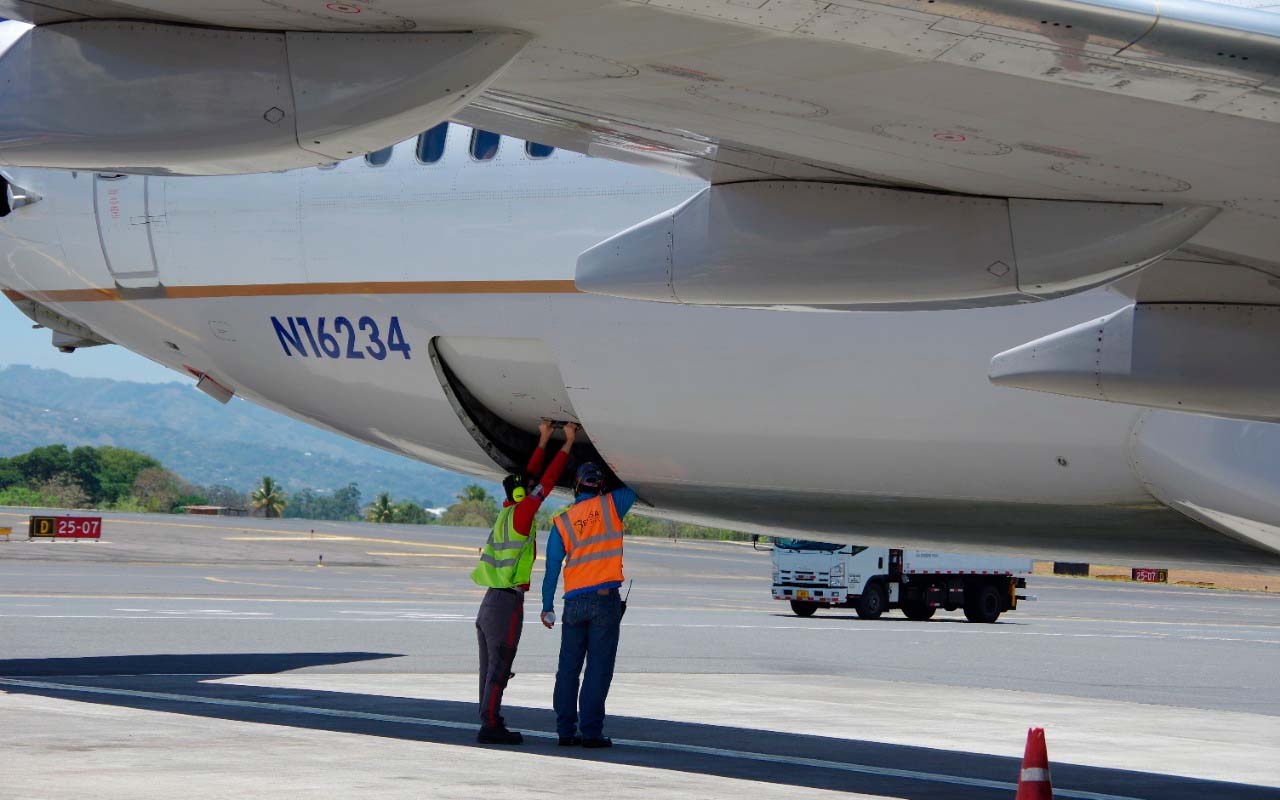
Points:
x=202 y=440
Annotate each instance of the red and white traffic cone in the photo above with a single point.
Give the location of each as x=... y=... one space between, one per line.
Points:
x=1033 y=782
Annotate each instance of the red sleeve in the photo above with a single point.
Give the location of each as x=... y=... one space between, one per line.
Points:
x=527 y=509
x=552 y=476
x=535 y=461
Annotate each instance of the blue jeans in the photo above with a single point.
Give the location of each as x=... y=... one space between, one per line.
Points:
x=590 y=633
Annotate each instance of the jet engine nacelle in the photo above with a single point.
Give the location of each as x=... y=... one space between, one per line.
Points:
x=170 y=99
x=812 y=244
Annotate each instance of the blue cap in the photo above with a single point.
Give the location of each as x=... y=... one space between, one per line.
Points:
x=590 y=476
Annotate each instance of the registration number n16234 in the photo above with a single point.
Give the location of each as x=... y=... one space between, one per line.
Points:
x=340 y=337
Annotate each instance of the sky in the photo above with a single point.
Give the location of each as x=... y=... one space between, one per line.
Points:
x=19 y=344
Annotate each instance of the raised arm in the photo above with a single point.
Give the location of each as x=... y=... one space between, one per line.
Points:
x=534 y=466
x=552 y=476
x=623 y=499
x=527 y=509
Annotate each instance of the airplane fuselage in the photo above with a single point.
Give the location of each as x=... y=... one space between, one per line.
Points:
x=334 y=294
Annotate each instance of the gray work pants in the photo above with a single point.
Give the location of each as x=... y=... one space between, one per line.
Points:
x=498 y=627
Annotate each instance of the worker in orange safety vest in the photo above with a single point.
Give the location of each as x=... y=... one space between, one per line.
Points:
x=587 y=542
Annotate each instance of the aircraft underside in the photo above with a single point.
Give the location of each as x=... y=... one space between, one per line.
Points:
x=445 y=329
x=800 y=346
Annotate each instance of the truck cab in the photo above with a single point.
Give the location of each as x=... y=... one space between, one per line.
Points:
x=871 y=580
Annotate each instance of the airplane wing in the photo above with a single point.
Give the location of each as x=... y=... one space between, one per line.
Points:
x=1117 y=100
x=1025 y=138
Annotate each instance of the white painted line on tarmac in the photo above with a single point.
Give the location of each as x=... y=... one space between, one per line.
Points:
x=743 y=755
x=924 y=628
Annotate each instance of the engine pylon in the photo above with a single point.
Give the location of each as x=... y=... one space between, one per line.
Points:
x=839 y=246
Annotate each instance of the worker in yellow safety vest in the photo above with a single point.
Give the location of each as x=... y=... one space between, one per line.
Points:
x=504 y=569
x=587 y=542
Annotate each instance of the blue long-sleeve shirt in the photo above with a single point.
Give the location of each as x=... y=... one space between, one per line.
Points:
x=623 y=499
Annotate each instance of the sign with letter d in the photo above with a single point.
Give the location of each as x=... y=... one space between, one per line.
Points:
x=42 y=528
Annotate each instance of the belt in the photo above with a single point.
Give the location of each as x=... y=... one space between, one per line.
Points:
x=614 y=590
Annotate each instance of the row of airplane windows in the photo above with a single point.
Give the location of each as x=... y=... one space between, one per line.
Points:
x=430 y=147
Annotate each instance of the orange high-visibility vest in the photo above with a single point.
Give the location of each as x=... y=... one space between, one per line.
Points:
x=592 y=536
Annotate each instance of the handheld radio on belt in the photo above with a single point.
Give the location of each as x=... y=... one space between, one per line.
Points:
x=624 y=599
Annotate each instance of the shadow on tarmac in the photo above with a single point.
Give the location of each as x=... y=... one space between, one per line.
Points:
x=219 y=665
x=187 y=675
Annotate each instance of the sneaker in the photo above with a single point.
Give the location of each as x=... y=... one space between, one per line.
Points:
x=603 y=741
x=499 y=734
x=570 y=741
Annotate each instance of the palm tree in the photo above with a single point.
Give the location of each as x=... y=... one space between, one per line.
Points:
x=472 y=492
x=268 y=498
x=381 y=510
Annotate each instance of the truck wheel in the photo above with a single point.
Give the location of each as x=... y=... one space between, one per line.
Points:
x=872 y=603
x=983 y=604
x=803 y=609
x=918 y=610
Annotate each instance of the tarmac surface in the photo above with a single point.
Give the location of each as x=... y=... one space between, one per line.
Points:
x=214 y=657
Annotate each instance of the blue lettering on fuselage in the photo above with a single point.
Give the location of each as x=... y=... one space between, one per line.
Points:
x=340 y=337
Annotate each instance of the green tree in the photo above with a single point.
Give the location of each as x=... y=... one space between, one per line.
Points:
x=10 y=475
x=381 y=510
x=268 y=498
x=42 y=463
x=86 y=468
x=346 y=502
x=303 y=505
x=24 y=496
x=193 y=498
x=341 y=504
x=475 y=509
x=410 y=513
x=638 y=525
x=128 y=503
x=120 y=468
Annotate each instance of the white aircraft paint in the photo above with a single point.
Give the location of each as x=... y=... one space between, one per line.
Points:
x=868 y=425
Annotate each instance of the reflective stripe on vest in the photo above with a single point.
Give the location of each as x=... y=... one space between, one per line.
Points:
x=507 y=559
x=592 y=536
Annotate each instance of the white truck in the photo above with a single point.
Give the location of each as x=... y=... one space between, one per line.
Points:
x=872 y=580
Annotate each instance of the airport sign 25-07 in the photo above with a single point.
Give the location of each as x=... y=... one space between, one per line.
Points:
x=65 y=527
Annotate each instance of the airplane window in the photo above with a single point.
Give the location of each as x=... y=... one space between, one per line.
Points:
x=430 y=147
x=535 y=150
x=484 y=145
x=378 y=158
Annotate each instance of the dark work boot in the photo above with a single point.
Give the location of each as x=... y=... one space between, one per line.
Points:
x=603 y=741
x=570 y=741
x=498 y=734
